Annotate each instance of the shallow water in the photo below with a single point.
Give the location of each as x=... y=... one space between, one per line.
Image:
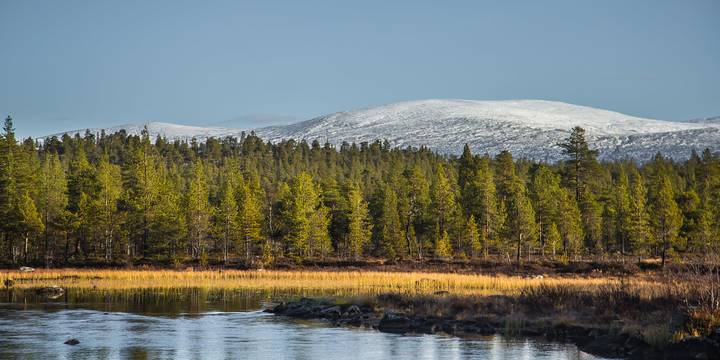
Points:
x=202 y=324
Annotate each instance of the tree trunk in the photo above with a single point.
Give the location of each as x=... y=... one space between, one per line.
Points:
x=518 y=248
x=664 y=252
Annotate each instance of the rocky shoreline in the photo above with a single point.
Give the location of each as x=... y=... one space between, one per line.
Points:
x=595 y=339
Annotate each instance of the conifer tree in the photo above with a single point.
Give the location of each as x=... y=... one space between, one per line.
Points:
x=415 y=200
x=553 y=239
x=505 y=174
x=106 y=214
x=581 y=160
x=621 y=201
x=444 y=204
x=8 y=189
x=250 y=217
x=570 y=224
x=308 y=219
x=167 y=219
x=443 y=247
x=143 y=182
x=667 y=218
x=466 y=167
x=522 y=228
x=581 y=170
x=319 y=237
x=482 y=199
x=31 y=224
x=473 y=239
x=392 y=236
x=82 y=188
x=227 y=224
x=545 y=195
x=198 y=212
x=359 y=226
x=639 y=222
x=53 y=202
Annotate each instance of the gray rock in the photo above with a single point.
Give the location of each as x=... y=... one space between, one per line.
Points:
x=333 y=312
x=50 y=292
x=395 y=323
x=353 y=310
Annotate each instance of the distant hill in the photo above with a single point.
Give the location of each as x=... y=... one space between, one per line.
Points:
x=527 y=128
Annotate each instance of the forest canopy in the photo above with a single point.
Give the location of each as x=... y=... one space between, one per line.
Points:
x=117 y=199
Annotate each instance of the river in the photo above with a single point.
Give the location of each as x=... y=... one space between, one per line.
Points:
x=201 y=324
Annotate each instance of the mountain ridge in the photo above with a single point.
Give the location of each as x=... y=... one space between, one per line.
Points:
x=527 y=128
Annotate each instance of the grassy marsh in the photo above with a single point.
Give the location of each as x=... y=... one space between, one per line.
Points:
x=344 y=282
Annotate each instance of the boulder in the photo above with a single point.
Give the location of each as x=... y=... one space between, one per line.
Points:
x=26 y=269
x=395 y=323
x=50 y=292
x=332 y=312
x=353 y=310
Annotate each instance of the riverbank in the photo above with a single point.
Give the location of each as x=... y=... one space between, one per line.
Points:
x=613 y=336
x=642 y=315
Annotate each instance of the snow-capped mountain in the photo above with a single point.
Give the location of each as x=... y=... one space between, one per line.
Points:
x=527 y=128
x=166 y=130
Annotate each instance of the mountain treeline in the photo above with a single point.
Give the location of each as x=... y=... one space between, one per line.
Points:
x=115 y=199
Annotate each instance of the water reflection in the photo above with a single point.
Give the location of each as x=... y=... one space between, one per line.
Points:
x=222 y=324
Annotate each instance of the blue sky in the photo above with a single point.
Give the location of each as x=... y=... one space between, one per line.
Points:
x=75 y=64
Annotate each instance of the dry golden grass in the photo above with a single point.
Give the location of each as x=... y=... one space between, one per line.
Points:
x=348 y=282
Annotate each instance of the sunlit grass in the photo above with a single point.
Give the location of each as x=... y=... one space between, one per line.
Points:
x=349 y=282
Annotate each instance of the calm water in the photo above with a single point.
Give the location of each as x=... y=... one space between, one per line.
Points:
x=198 y=324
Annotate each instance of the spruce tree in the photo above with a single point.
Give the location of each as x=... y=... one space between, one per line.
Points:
x=198 y=212
x=319 y=237
x=308 y=219
x=227 y=224
x=105 y=206
x=413 y=204
x=444 y=204
x=8 y=189
x=667 y=218
x=581 y=160
x=443 y=247
x=31 y=224
x=473 y=240
x=360 y=226
x=392 y=235
x=545 y=195
x=167 y=219
x=485 y=205
x=522 y=228
x=53 y=202
x=639 y=222
x=553 y=239
x=570 y=224
x=466 y=167
x=621 y=201
x=250 y=218
x=143 y=182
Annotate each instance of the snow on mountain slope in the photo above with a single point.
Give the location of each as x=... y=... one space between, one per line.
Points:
x=166 y=130
x=527 y=128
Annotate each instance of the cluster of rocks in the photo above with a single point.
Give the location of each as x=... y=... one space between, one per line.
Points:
x=340 y=314
x=591 y=339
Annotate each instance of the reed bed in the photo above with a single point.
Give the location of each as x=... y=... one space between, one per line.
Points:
x=350 y=282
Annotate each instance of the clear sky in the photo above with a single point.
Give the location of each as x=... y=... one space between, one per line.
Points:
x=75 y=64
